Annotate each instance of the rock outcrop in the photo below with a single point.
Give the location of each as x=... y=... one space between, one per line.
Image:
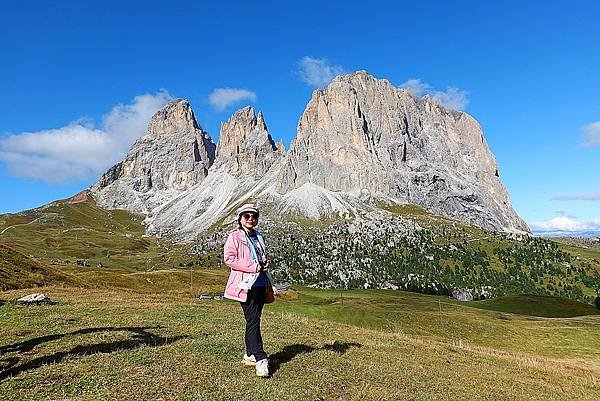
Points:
x=245 y=146
x=361 y=141
x=243 y=166
x=35 y=299
x=173 y=156
x=363 y=135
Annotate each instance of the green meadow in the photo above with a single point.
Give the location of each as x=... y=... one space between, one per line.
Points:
x=127 y=325
x=103 y=344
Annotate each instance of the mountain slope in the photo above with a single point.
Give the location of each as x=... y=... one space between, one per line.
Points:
x=77 y=242
x=20 y=271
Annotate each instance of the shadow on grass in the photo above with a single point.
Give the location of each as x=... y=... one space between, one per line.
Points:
x=141 y=337
x=289 y=352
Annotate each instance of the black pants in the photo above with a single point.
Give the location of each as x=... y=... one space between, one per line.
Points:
x=252 y=310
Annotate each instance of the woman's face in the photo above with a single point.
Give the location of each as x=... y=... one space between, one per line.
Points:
x=249 y=220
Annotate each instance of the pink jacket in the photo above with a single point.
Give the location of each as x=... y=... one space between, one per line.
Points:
x=238 y=257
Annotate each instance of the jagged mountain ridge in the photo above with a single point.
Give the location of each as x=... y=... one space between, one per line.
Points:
x=360 y=142
x=173 y=156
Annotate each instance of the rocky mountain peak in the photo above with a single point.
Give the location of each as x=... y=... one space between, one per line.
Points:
x=175 y=117
x=362 y=134
x=360 y=142
x=173 y=156
x=245 y=145
x=359 y=81
x=240 y=126
x=260 y=121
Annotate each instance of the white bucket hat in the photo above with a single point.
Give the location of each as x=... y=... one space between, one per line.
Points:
x=248 y=208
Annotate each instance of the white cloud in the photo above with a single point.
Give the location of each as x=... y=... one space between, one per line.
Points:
x=583 y=197
x=452 y=98
x=564 y=225
x=221 y=98
x=591 y=135
x=80 y=150
x=128 y=122
x=416 y=87
x=318 y=71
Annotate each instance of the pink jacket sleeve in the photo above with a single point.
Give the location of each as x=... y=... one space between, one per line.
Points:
x=233 y=256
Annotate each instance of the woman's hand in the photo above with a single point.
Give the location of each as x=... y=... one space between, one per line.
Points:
x=263 y=266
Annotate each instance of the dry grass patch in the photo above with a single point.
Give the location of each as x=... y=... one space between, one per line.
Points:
x=117 y=345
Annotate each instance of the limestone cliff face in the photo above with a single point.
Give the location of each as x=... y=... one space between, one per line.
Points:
x=174 y=155
x=243 y=166
x=359 y=142
x=363 y=134
x=245 y=145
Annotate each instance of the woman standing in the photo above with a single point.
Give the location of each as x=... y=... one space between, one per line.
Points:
x=249 y=281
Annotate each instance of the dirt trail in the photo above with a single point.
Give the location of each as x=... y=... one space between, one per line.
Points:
x=16 y=225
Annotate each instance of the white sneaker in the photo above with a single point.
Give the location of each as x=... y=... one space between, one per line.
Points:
x=262 y=368
x=249 y=360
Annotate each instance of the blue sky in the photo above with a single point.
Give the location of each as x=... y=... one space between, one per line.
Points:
x=77 y=76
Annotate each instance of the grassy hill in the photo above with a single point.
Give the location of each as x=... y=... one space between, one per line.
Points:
x=93 y=247
x=323 y=345
x=20 y=271
x=66 y=231
x=418 y=251
x=536 y=305
x=408 y=249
